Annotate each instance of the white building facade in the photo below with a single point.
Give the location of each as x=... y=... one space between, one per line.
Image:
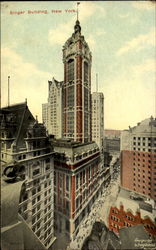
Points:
x=98 y=118
x=45 y=114
x=27 y=154
x=52 y=111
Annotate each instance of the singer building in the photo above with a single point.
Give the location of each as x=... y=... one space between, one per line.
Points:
x=77 y=87
x=77 y=158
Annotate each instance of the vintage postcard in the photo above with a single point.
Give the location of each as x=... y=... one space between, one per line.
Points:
x=78 y=125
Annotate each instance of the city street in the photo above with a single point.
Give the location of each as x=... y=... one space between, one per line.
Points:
x=99 y=212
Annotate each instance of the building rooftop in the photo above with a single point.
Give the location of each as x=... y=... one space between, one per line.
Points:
x=17 y=123
x=101 y=238
x=147 y=125
x=134 y=202
x=58 y=84
x=63 y=142
x=74 y=151
x=131 y=237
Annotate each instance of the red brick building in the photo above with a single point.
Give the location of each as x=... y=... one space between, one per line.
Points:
x=77 y=87
x=138 y=158
x=76 y=183
x=128 y=212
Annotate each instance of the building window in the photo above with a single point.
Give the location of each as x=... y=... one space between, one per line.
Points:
x=38 y=198
x=33 y=201
x=67 y=183
x=70 y=70
x=36 y=171
x=85 y=72
x=47 y=176
x=33 y=220
x=77 y=182
x=36 y=182
x=47 y=167
x=48 y=160
x=34 y=191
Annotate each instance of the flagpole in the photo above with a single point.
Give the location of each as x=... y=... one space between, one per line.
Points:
x=8 y=91
x=77 y=11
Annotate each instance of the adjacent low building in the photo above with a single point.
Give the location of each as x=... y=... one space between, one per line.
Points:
x=15 y=232
x=131 y=209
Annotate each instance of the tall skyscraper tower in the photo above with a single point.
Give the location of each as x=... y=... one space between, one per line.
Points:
x=77 y=87
x=52 y=111
x=55 y=108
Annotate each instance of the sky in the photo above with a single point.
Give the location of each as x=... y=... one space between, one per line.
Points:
x=120 y=34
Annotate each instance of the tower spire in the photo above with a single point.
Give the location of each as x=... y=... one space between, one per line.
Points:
x=8 y=91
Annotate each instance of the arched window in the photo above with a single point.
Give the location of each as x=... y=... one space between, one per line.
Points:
x=70 y=70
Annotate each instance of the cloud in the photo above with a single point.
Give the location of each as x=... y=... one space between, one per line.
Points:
x=143 y=5
x=100 y=33
x=61 y=33
x=128 y=100
x=124 y=15
x=91 y=42
x=87 y=9
x=148 y=66
x=138 y=43
x=26 y=81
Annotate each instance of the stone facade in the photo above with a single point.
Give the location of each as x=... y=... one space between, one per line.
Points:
x=25 y=147
x=52 y=111
x=98 y=119
x=76 y=183
x=45 y=114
